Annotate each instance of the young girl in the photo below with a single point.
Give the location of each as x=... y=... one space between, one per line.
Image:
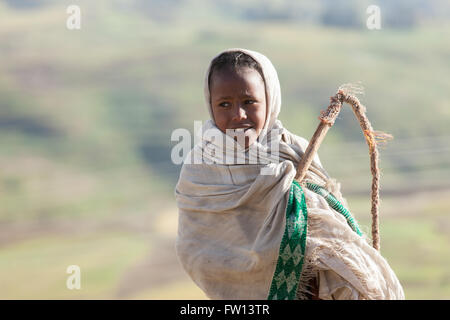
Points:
x=247 y=229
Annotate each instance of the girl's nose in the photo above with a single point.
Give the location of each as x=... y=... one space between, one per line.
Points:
x=239 y=114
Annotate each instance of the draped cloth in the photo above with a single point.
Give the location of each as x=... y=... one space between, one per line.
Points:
x=232 y=205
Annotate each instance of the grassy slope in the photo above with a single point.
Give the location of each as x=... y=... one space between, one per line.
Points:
x=87 y=104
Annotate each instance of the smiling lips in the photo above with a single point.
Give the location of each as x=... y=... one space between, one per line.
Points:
x=238 y=130
x=243 y=127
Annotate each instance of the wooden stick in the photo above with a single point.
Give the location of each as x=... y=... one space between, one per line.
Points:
x=327 y=119
x=311 y=150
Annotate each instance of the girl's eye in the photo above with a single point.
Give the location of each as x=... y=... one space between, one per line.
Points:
x=250 y=101
x=224 y=104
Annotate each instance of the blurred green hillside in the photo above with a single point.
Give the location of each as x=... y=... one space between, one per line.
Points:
x=86 y=118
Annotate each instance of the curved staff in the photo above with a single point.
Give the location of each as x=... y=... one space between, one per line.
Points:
x=327 y=118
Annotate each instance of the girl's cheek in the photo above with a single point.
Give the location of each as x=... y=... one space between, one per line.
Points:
x=221 y=124
x=261 y=116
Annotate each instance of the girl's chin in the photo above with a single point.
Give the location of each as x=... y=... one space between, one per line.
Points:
x=249 y=140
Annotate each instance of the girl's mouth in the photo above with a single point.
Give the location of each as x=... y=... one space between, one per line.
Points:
x=242 y=129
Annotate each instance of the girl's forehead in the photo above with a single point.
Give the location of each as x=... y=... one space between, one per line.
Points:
x=235 y=76
x=228 y=71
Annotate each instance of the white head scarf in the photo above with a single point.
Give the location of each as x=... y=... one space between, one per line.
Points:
x=274 y=144
x=272 y=84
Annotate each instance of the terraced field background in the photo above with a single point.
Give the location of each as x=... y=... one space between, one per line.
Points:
x=86 y=118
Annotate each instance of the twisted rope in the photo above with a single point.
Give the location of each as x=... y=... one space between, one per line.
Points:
x=346 y=93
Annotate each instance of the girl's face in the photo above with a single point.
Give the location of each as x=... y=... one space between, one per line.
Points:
x=238 y=101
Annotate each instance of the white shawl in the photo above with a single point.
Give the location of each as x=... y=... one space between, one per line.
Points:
x=232 y=216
